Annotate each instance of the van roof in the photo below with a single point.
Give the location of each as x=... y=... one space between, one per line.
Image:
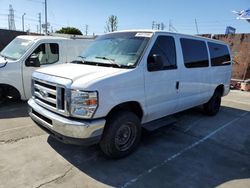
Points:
x=172 y=33
x=38 y=37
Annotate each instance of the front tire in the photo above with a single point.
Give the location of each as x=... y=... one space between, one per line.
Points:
x=121 y=135
x=212 y=107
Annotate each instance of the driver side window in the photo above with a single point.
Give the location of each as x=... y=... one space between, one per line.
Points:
x=164 y=48
x=47 y=53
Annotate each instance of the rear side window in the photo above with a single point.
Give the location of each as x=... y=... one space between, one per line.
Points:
x=219 y=54
x=165 y=48
x=194 y=53
x=53 y=53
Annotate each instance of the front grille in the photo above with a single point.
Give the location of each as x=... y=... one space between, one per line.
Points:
x=50 y=96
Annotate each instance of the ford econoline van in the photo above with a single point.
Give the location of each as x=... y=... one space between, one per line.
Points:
x=126 y=81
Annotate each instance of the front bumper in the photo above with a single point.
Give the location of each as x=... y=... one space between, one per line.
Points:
x=67 y=130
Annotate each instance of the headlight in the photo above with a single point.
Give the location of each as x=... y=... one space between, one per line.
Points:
x=83 y=103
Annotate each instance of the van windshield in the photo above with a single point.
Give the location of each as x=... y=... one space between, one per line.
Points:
x=121 y=50
x=16 y=48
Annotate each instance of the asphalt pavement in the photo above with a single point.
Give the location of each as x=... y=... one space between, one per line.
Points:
x=197 y=151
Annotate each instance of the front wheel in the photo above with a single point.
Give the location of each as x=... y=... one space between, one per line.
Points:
x=121 y=135
x=212 y=107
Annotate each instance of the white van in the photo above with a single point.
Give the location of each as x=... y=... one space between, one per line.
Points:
x=25 y=54
x=126 y=81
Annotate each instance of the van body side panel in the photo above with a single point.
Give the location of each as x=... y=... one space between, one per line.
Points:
x=191 y=82
x=161 y=92
x=222 y=74
x=128 y=86
x=11 y=75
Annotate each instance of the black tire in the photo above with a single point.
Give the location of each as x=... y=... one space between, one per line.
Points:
x=2 y=95
x=13 y=94
x=121 y=135
x=212 y=107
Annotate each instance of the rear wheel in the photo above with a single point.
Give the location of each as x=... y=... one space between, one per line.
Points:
x=121 y=135
x=212 y=107
x=2 y=95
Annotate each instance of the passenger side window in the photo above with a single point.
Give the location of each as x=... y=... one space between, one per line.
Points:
x=194 y=53
x=164 y=50
x=219 y=54
x=47 y=53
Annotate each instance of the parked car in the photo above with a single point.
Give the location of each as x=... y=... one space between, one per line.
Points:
x=126 y=81
x=25 y=54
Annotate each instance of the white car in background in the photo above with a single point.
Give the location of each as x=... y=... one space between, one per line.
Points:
x=25 y=54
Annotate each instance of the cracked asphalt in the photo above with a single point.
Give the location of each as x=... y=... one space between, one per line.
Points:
x=197 y=151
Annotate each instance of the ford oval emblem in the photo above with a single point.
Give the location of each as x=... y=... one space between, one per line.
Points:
x=43 y=93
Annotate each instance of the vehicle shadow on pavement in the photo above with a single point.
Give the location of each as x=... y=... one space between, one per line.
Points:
x=13 y=109
x=192 y=167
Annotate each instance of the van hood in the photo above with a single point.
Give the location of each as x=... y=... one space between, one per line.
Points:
x=88 y=73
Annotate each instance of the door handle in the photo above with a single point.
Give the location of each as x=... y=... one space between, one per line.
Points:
x=177 y=85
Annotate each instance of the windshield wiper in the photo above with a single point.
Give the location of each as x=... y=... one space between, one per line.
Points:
x=3 y=56
x=111 y=61
x=106 y=58
x=82 y=57
x=79 y=61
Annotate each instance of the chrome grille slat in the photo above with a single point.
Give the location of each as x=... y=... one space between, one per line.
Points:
x=51 y=91
x=49 y=99
x=51 y=96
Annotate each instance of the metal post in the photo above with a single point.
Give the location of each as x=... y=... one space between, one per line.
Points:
x=40 y=23
x=46 y=19
x=23 y=20
x=196 y=25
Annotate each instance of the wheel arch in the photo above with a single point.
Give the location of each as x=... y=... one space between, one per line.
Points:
x=10 y=90
x=132 y=106
x=220 y=88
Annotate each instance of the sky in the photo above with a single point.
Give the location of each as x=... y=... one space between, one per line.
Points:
x=212 y=16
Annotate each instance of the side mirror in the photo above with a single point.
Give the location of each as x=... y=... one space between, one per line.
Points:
x=155 y=62
x=32 y=61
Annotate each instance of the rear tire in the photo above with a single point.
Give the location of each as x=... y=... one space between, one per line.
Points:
x=212 y=107
x=121 y=135
x=2 y=95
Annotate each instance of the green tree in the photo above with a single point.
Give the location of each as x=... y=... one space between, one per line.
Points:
x=111 y=24
x=69 y=30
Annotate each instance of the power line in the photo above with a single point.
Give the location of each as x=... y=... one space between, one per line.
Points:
x=36 y=1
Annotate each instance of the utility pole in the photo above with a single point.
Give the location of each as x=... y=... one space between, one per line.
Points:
x=23 y=20
x=162 y=26
x=86 y=29
x=40 y=23
x=46 y=18
x=196 y=25
x=11 y=18
x=153 y=24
